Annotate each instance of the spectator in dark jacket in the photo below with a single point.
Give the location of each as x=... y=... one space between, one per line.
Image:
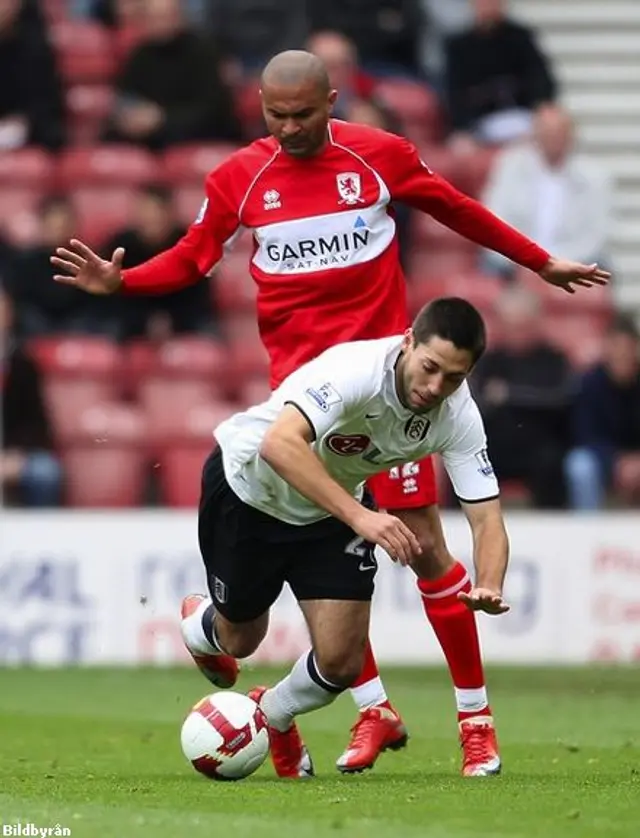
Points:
x=43 y=307
x=30 y=474
x=387 y=33
x=523 y=387
x=171 y=89
x=496 y=77
x=31 y=101
x=606 y=423
x=154 y=229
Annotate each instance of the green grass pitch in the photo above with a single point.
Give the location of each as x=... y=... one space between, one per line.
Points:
x=98 y=751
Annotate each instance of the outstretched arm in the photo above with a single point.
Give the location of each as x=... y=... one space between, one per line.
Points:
x=182 y=265
x=490 y=557
x=413 y=182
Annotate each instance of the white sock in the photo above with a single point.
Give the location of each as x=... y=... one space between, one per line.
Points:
x=304 y=689
x=370 y=694
x=193 y=633
x=471 y=701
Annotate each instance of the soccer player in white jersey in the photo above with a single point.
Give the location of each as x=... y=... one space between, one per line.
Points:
x=317 y=196
x=283 y=501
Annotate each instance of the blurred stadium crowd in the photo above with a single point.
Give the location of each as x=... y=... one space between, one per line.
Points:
x=111 y=114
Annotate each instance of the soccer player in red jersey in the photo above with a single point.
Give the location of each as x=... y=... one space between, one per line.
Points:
x=316 y=195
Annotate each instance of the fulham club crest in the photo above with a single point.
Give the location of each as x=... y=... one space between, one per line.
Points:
x=349 y=187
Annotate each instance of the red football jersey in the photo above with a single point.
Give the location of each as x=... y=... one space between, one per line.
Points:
x=325 y=256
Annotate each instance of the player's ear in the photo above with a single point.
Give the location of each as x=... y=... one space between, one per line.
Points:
x=333 y=95
x=407 y=340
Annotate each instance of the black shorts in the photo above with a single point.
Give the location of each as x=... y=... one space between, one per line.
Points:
x=249 y=555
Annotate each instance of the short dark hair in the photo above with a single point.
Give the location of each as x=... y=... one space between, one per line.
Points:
x=452 y=319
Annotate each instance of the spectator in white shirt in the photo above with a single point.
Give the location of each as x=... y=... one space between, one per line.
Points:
x=552 y=193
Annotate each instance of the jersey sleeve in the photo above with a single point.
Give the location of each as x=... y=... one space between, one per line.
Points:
x=324 y=391
x=410 y=180
x=466 y=459
x=198 y=251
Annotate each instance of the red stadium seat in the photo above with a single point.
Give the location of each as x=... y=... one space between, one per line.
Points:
x=235 y=290
x=430 y=263
x=88 y=106
x=479 y=289
x=192 y=163
x=248 y=356
x=179 y=472
x=167 y=403
x=102 y=211
x=468 y=173
x=85 y=51
x=255 y=391
x=19 y=221
x=187 y=202
x=26 y=167
x=415 y=104
x=196 y=359
x=68 y=398
x=107 y=165
x=91 y=357
x=179 y=466
x=104 y=477
x=79 y=373
x=105 y=465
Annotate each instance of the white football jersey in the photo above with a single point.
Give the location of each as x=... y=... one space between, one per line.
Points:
x=348 y=395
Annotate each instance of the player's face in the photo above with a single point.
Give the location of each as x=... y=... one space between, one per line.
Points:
x=428 y=373
x=298 y=117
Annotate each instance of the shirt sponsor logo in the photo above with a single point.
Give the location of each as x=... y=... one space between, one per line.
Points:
x=347 y=445
x=325 y=396
x=484 y=463
x=336 y=249
x=349 y=188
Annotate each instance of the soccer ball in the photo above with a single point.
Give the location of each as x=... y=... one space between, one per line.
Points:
x=225 y=736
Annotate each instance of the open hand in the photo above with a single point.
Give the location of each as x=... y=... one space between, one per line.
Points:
x=86 y=270
x=563 y=274
x=483 y=599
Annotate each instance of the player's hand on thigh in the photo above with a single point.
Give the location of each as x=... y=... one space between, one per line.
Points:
x=482 y=599
x=390 y=533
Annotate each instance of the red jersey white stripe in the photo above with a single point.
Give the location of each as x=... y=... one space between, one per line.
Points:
x=325 y=254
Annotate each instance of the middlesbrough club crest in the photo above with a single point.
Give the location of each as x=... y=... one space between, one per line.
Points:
x=349 y=187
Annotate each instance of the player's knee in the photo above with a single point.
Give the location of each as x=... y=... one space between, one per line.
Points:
x=340 y=667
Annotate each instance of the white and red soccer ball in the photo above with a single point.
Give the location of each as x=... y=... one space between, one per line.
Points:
x=225 y=736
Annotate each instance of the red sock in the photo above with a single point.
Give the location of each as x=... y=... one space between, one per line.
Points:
x=369 y=673
x=456 y=629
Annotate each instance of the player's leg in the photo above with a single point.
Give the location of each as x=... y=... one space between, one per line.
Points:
x=335 y=597
x=231 y=622
x=440 y=580
x=379 y=726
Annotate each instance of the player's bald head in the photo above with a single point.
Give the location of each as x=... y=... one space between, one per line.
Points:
x=297 y=101
x=296 y=68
